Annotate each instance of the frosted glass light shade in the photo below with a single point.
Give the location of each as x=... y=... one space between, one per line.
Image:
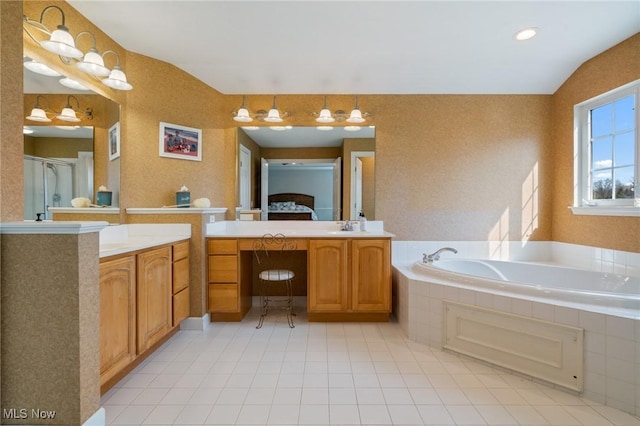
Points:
x=117 y=80
x=273 y=116
x=61 y=43
x=72 y=84
x=243 y=116
x=325 y=116
x=355 y=117
x=38 y=114
x=93 y=64
x=41 y=68
x=68 y=114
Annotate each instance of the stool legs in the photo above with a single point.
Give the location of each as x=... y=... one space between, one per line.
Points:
x=265 y=303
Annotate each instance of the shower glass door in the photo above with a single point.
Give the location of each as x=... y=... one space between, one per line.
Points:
x=48 y=183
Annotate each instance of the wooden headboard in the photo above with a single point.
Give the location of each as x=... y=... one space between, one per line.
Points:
x=300 y=199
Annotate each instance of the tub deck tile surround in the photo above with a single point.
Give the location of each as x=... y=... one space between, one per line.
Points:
x=612 y=343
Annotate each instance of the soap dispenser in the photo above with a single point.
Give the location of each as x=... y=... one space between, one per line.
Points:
x=363 y=221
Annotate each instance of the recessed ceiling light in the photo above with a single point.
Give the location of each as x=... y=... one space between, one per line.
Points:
x=526 y=34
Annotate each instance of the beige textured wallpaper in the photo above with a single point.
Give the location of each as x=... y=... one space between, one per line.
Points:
x=473 y=167
x=591 y=79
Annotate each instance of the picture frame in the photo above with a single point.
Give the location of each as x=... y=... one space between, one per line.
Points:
x=184 y=143
x=114 y=141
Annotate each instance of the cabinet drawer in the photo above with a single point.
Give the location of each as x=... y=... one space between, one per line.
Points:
x=216 y=246
x=223 y=297
x=180 y=275
x=180 y=306
x=223 y=269
x=180 y=250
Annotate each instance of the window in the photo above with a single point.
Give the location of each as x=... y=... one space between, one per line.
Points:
x=608 y=149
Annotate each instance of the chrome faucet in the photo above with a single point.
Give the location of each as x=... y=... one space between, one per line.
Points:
x=347 y=226
x=430 y=258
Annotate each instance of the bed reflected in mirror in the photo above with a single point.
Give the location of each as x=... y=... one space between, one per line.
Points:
x=306 y=174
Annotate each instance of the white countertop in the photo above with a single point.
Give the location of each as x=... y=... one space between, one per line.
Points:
x=175 y=210
x=294 y=229
x=122 y=239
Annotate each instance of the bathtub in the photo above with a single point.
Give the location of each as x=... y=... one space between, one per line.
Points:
x=592 y=291
x=595 y=291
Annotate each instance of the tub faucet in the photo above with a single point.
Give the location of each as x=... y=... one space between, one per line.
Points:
x=430 y=258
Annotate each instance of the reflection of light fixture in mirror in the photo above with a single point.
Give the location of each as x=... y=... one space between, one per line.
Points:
x=243 y=113
x=356 y=115
x=37 y=113
x=325 y=114
x=40 y=68
x=72 y=84
x=69 y=114
x=280 y=128
x=26 y=130
x=92 y=63
x=250 y=128
x=324 y=128
x=352 y=128
x=117 y=79
x=274 y=115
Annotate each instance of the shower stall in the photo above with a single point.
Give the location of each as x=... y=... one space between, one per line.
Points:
x=48 y=182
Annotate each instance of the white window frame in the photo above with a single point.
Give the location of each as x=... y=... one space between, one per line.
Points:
x=582 y=204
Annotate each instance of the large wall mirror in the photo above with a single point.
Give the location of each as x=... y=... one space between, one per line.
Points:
x=65 y=160
x=302 y=173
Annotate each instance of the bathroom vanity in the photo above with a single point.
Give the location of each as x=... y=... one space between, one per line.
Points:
x=144 y=293
x=348 y=273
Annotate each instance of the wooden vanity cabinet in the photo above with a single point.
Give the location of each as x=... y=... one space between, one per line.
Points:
x=349 y=279
x=327 y=275
x=117 y=315
x=180 y=282
x=223 y=276
x=155 y=317
x=371 y=275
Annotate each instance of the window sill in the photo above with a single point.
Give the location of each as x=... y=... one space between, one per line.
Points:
x=606 y=211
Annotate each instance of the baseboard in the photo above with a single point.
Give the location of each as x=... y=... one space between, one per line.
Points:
x=99 y=418
x=196 y=323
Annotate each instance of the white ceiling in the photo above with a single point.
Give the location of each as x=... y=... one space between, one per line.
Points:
x=368 y=47
x=305 y=137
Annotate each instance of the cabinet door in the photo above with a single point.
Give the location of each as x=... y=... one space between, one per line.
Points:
x=117 y=315
x=328 y=278
x=154 y=296
x=371 y=275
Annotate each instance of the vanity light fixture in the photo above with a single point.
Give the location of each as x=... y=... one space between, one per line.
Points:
x=40 y=68
x=92 y=63
x=274 y=115
x=117 y=78
x=356 y=114
x=60 y=40
x=38 y=113
x=62 y=43
x=243 y=113
x=325 y=115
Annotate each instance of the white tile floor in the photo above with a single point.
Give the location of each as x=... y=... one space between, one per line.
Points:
x=331 y=374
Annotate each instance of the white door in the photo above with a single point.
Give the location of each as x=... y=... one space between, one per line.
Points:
x=357 y=189
x=245 y=178
x=337 y=184
x=264 y=189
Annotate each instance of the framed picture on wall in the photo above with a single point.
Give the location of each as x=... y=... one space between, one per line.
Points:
x=114 y=141
x=180 y=142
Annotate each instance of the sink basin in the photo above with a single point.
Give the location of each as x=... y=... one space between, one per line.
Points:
x=341 y=232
